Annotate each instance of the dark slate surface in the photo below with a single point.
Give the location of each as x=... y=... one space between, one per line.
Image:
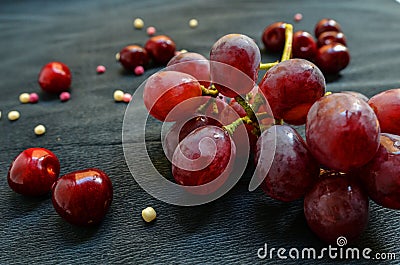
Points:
x=86 y=131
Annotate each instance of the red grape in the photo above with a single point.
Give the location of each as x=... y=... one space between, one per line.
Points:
x=180 y=130
x=326 y=24
x=342 y=132
x=205 y=155
x=160 y=48
x=193 y=64
x=380 y=176
x=387 y=108
x=336 y=206
x=273 y=37
x=291 y=87
x=332 y=58
x=304 y=46
x=132 y=56
x=165 y=90
x=329 y=37
x=235 y=59
x=293 y=169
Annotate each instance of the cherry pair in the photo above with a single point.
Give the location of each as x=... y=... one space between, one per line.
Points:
x=158 y=48
x=82 y=197
x=329 y=52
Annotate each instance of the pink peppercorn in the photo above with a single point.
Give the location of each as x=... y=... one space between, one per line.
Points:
x=100 y=69
x=127 y=97
x=297 y=17
x=65 y=96
x=151 y=31
x=33 y=97
x=139 y=70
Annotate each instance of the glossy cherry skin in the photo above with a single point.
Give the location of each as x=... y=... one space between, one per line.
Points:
x=386 y=106
x=273 y=37
x=55 y=77
x=33 y=172
x=160 y=48
x=329 y=37
x=332 y=58
x=132 y=56
x=304 y=46
x=326 y=24
x=83 y=197
x=336 y=206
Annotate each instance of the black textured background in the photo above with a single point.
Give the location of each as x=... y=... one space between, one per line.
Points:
x=86 y=131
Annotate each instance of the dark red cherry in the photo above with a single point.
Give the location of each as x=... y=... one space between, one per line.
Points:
x=332 y=58
x=304 y=46
x=55 y=77
x=33 y=172
x=132 y=56
x=329 y=37
x=326 y=24
x=160 y=48
x=273 y=37
x=83 y=197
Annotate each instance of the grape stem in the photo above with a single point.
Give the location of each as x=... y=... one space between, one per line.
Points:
x=247 y=108
x=287 y=50
x=231 y=128
x=211 y=91
x=267 y=66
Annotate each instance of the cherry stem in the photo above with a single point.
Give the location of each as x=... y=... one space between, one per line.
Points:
x=267 y=66
x=287 y=50
x=212 y=91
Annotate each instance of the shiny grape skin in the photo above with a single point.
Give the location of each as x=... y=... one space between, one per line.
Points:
x=381 y=177
x=304 y=46
x=326 y=24
x=238 y=51
x=336 y=206
x=357 y=95
x=193 y=64
x=387 y=108
x=293 y=171
x=165 y=90
x=179 y=131
x=332 y=58
x=160 y=48
x=273 y=37
x=291 y=87
x=132 y=56
x=329 y=37
x=204 y=166
x=342 y=132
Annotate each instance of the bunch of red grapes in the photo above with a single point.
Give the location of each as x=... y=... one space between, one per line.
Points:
x=328 y=51
x=351 y=151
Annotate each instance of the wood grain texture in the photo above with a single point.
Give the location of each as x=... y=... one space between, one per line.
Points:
x=87 y=130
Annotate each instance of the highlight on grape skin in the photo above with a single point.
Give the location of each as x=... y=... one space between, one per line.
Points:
x=164 y=90
x=243 y=57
